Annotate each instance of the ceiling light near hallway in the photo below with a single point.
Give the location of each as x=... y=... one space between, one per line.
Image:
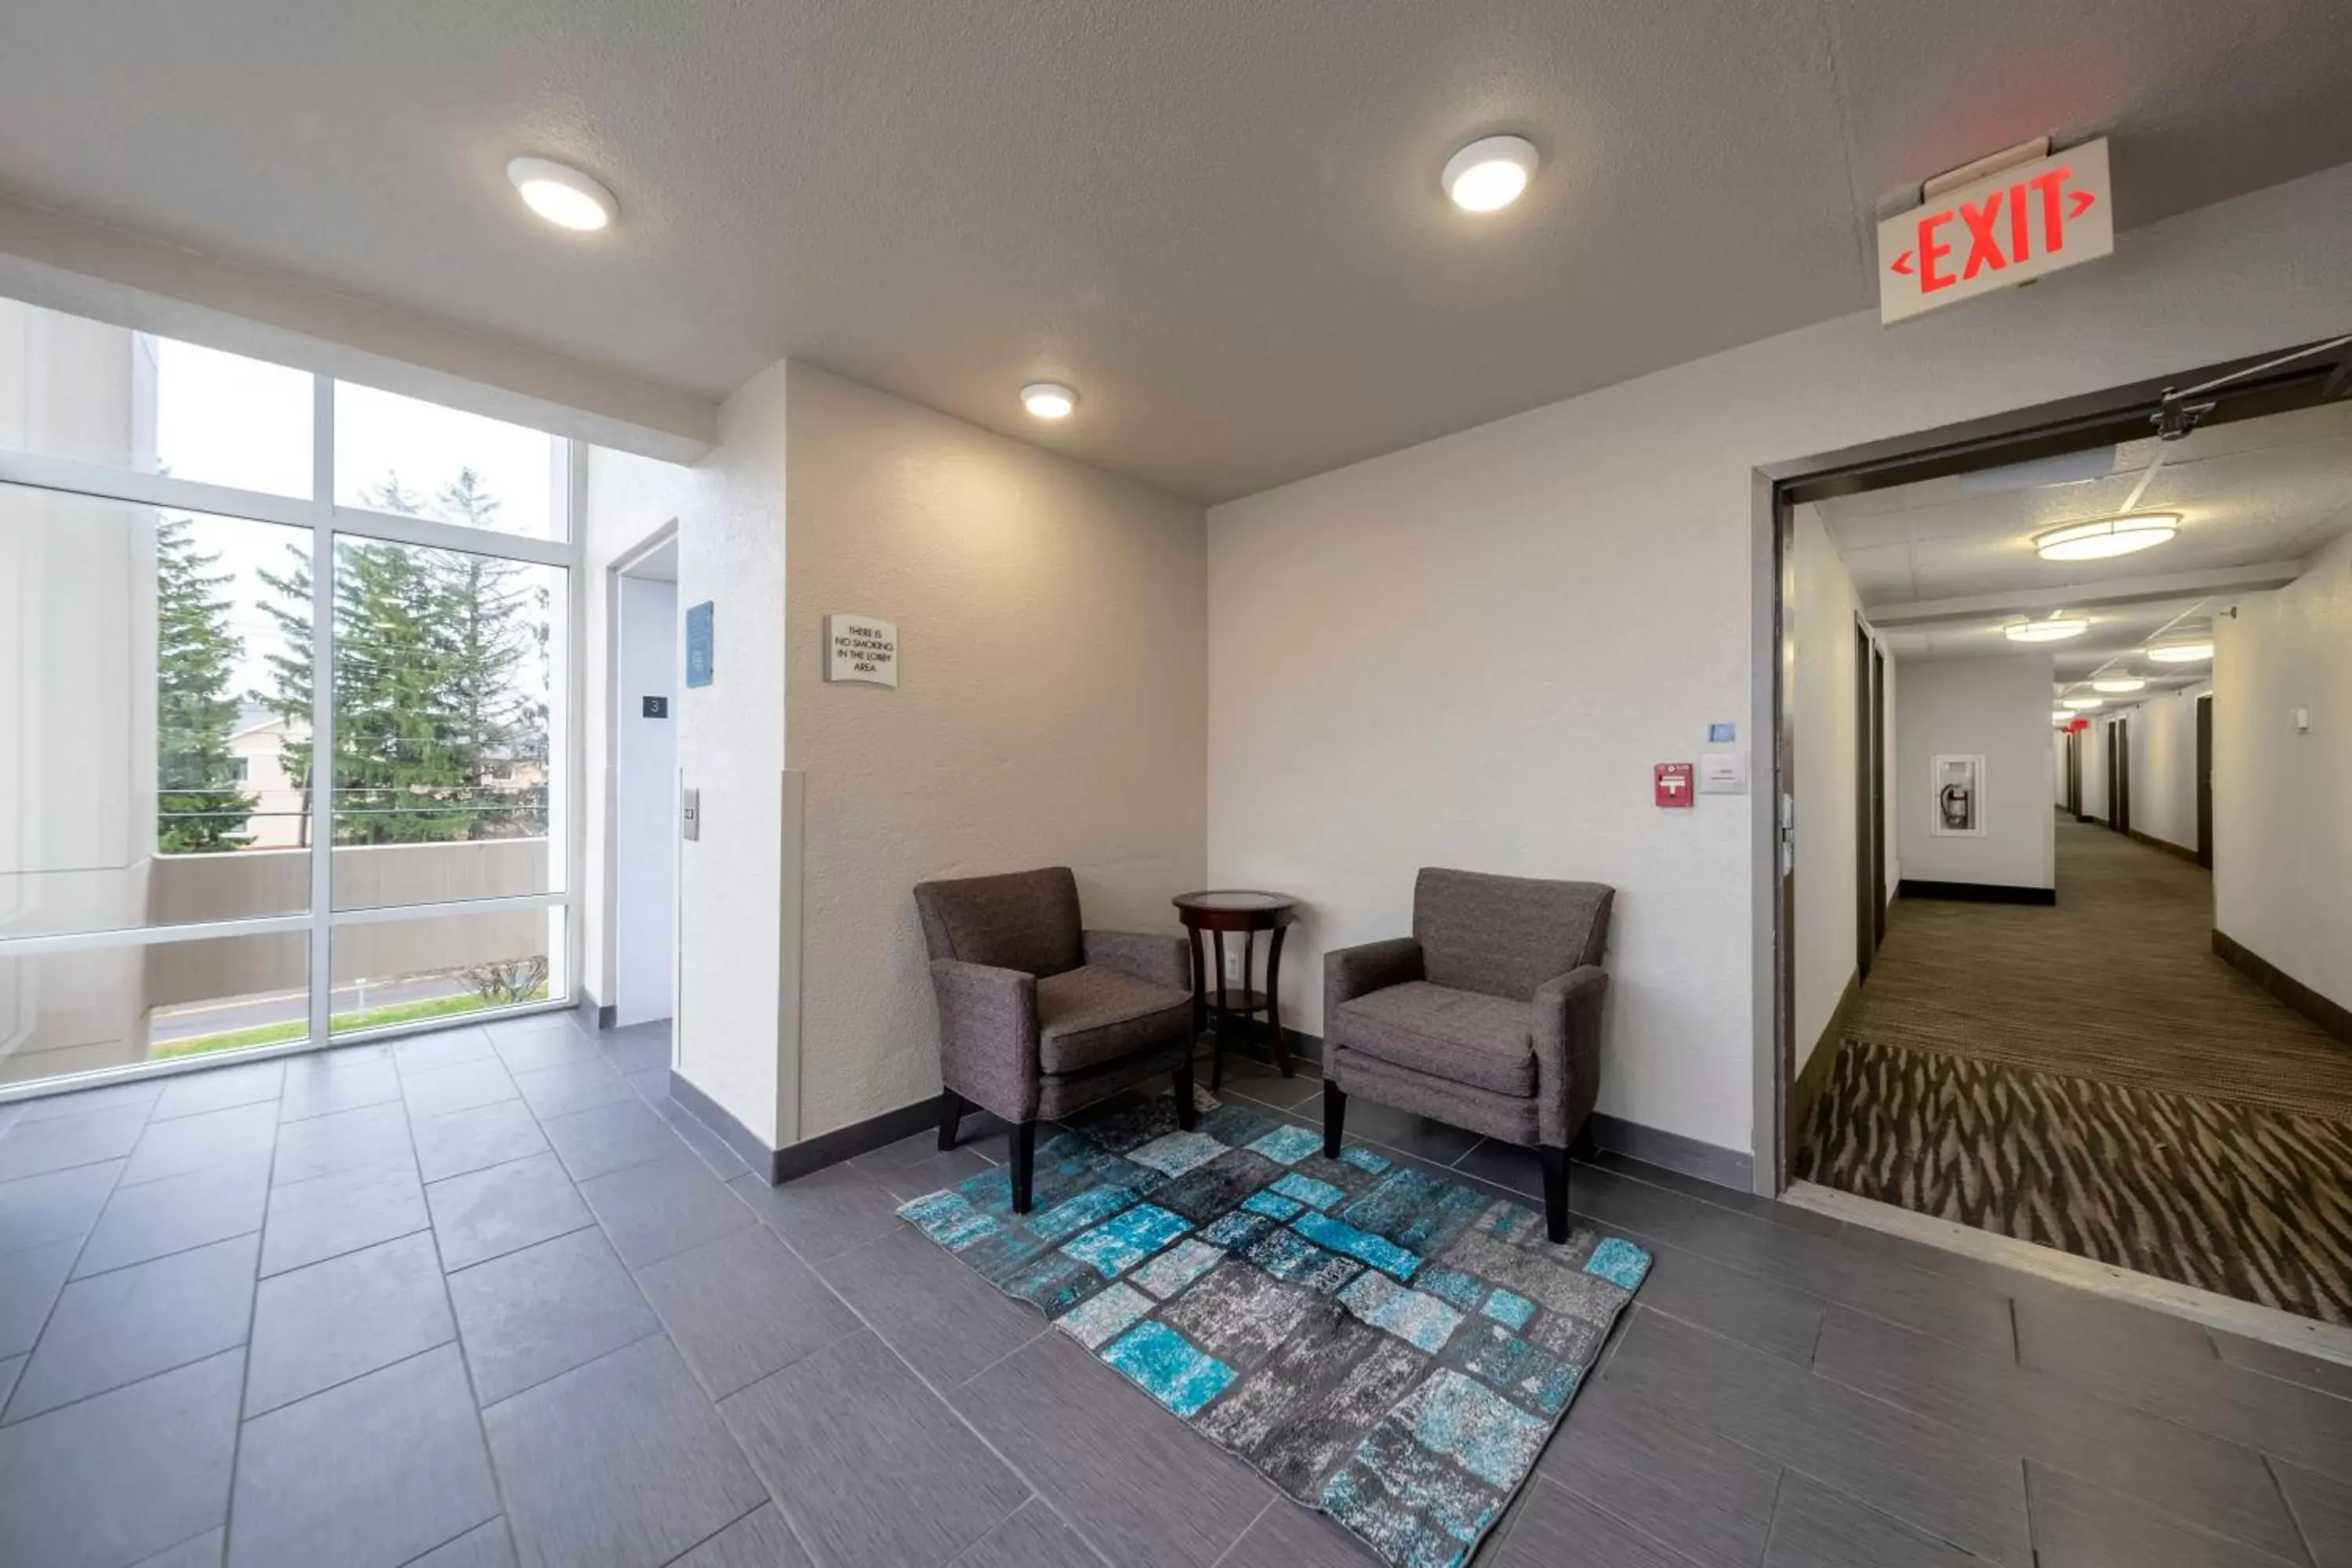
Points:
x=2083 y=702
x=2108 y=536
x=1490 y=172
x=1048 y=399
x=561 y=194
x=2181 y=652
x=2117 y=684
x=2055 y=629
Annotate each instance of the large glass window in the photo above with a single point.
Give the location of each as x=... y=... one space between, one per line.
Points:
x=393 y=454
x=75 y=1011
x=401 y=972
x=230 y=742
x=94 y=393
x=444 y=689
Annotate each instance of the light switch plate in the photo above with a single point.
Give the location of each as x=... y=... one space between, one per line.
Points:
x=689 y=813
x=1723 y=773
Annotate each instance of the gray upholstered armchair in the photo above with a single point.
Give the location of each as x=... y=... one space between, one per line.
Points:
x=1038 y=1015
x=1488 y=1016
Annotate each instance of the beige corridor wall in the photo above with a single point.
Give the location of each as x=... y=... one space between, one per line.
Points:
x=2281 y=837
x=1485 y=641
x=1051 y=708
x=2164 y=766
x=1822 y=615
x=1997 y=707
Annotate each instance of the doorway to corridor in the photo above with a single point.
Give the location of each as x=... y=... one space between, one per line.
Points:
x=2061 y=958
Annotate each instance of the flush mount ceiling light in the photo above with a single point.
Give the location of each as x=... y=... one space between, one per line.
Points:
x=2055 y=629
x=1048 y=399
x=2117 y=684
x=1490 y=172
x=2181 y=652
x=2081 y=703
x=561 y=194
x=2106 y=536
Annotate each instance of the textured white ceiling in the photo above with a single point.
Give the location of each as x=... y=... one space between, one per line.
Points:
x=1220 y=218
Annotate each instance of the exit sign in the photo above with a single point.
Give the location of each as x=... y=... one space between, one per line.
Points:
x=2021 y=223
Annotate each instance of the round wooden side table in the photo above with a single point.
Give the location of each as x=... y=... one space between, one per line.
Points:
x=1246 y=912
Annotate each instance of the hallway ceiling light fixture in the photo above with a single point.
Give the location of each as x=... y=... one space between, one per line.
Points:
x=2082 y=703
x=1489 y=174
x=2118 y=684
x=562 y=194
x=2057 y=628
x=2106 y=536
x=2181 y=652
x=1048 y=399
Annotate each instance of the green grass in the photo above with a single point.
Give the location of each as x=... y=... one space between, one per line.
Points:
x=342 y=1024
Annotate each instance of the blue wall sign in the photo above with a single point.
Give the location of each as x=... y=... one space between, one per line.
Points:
x=698 y=645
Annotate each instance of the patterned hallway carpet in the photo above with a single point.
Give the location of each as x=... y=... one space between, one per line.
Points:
x=2091 y=1077
x=1381 y=1345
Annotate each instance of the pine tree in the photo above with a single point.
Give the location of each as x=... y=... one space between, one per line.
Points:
x=493 y=723
x=289 y=696
x=398 y=778
x=198 y=803
x=429 y=709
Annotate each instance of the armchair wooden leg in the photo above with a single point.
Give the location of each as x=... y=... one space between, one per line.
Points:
x=1555 y=1169
x=1335 y=1118
x=1187 y=1113
x=1021 y=1146
x=950 y=1117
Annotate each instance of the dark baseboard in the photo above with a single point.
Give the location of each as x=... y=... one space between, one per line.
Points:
x=1977 y=892
x=2323 y=1011
x=780 y=1165
x=595 y=1014
x=1708 y=1162
x=753 y=1149
x=857 y=1138
x=1814 y=1076
x=2153 y=842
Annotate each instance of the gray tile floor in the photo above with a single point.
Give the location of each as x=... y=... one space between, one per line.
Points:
x=486 y=1297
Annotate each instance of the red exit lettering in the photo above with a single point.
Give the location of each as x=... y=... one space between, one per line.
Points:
x=2016 y=222
x=1990 y=249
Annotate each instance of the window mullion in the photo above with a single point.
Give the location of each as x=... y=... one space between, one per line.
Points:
x=322 y=707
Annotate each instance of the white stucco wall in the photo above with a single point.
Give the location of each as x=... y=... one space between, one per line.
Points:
x=1470 y=652
x=2282 y=840
x=1996 y=707
x=731 y=1034
x=1051 y=708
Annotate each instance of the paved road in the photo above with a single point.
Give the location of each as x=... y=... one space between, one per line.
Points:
x=287 y=1006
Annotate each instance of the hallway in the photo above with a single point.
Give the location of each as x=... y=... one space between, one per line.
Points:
x=2091 y=1077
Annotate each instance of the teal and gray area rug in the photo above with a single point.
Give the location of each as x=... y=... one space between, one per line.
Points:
x=1391 y=1348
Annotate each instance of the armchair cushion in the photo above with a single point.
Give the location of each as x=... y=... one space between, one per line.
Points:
x=1162 y=959
x=1095 y=1014
x=1463 y=1037
x=1506 y=935
x=1023 y=920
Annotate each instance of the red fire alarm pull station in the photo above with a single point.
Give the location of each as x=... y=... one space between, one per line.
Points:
x=1673 y=783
